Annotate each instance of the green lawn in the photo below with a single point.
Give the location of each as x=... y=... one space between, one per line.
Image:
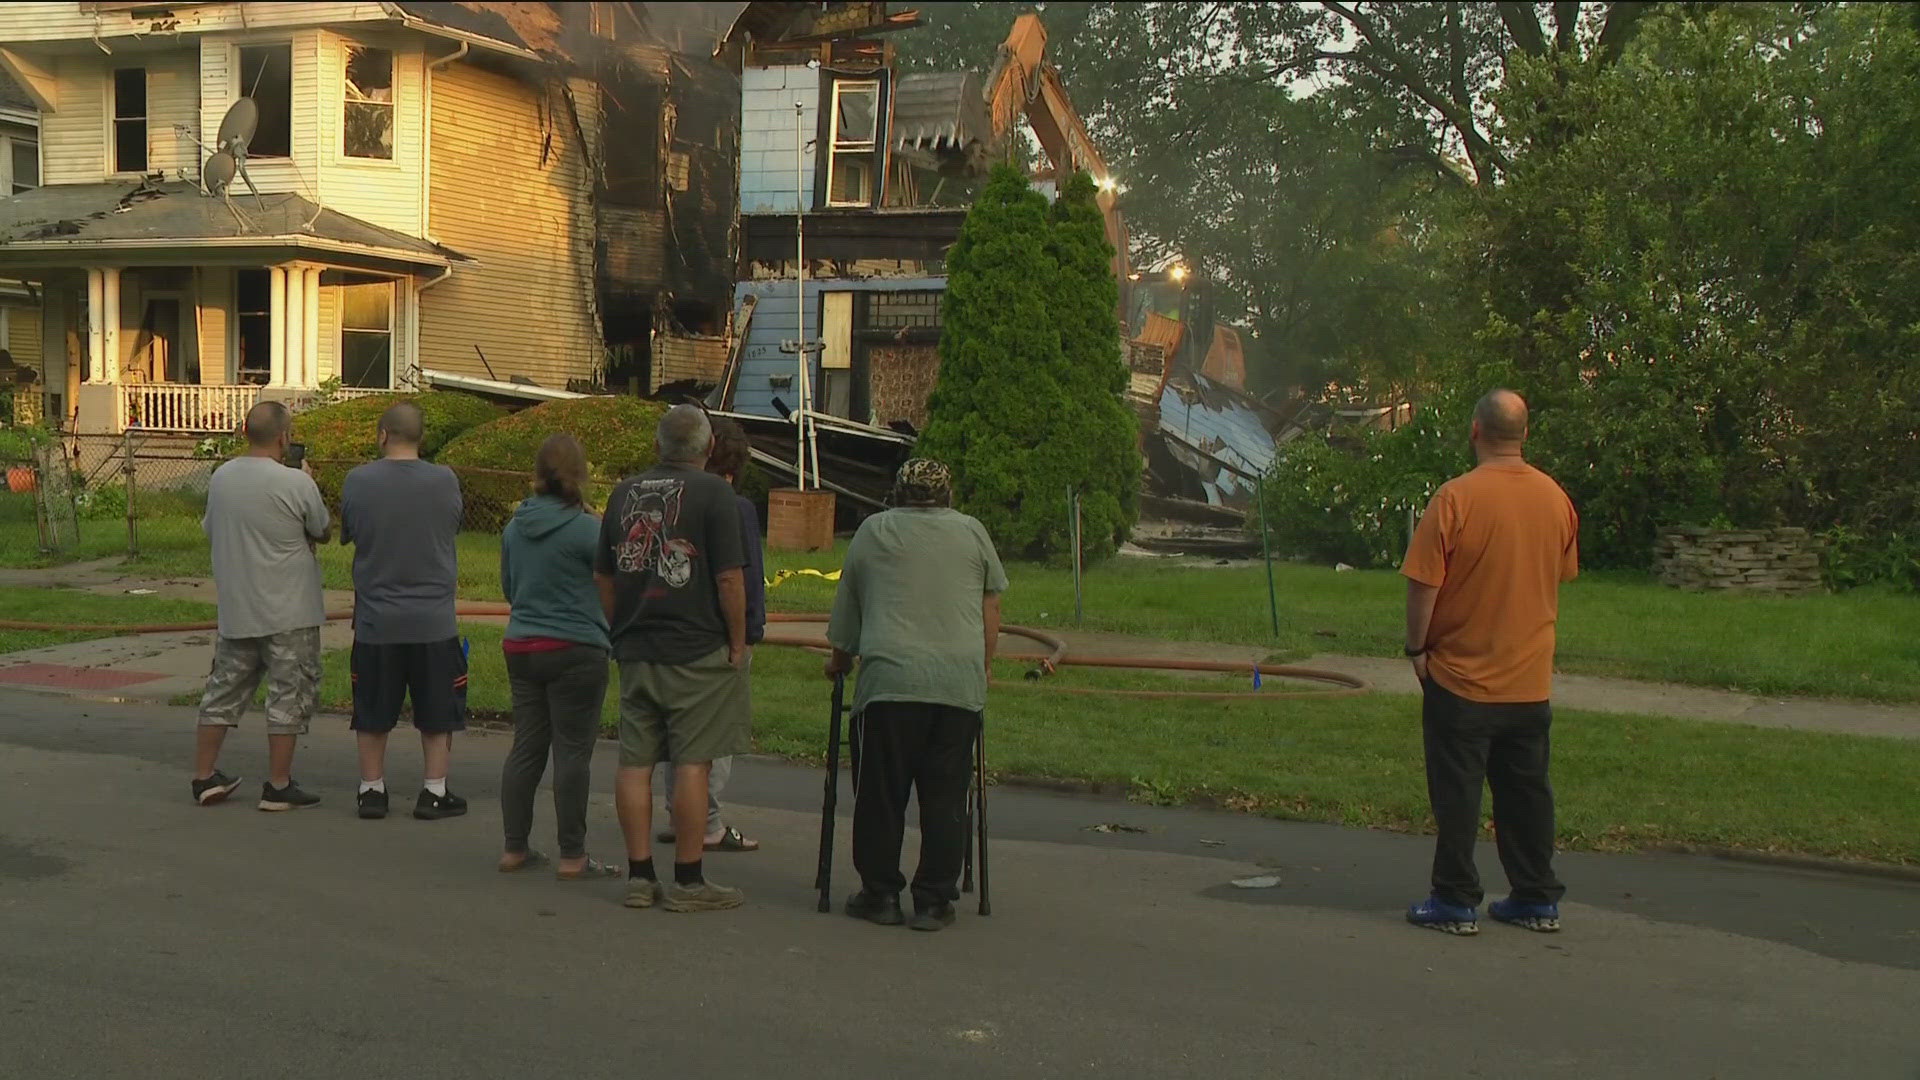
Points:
x=83 y=608
x=1860 y=644
x=1623 y=781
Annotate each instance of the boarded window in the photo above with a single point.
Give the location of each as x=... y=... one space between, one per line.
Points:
x=366 y=334
x=130 y=120
x=266 y=76
x=856 y=128
x=368 y=123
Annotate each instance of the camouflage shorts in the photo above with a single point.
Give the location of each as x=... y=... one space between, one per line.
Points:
x=289 y=661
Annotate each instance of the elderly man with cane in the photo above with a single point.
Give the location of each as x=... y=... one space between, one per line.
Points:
x=919 y=607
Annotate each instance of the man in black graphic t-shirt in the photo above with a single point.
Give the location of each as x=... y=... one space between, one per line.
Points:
x=670 y=571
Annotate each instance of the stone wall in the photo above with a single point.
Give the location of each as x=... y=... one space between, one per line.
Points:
x=1759 y=560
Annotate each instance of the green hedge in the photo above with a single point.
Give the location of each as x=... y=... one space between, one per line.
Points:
x=617 y=432
x=344 y=434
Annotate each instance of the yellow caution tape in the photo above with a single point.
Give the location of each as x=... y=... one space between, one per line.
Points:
x=785 y=575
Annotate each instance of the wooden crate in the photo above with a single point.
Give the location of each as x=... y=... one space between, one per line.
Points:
x=799 y=520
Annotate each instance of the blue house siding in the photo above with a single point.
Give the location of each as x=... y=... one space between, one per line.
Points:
x=773 y=322
x=767 y=95
x=1233 y=432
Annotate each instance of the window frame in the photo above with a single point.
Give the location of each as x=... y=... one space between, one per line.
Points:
x=347 y=101
x=867 y=149
x=11 y=177
x=237 y=89
x=114 y=121
x=391 y=333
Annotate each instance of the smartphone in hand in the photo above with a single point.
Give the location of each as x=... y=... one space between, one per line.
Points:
x=296 y=455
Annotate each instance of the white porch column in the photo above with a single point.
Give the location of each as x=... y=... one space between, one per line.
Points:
x=96 y=328
x=110 y=325
x=310 y=347
x=277 y=326
x=296 y=325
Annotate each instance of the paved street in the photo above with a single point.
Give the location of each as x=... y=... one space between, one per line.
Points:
x=141 y=936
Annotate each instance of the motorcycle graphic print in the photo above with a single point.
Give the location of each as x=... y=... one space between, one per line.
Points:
x=647 y=524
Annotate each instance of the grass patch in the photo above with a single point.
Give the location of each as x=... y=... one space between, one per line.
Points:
x=78 y=607
x=1860 y=644
x=1623 y=781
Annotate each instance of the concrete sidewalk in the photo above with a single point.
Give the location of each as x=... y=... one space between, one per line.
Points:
x=147 y=937
x=178 y=662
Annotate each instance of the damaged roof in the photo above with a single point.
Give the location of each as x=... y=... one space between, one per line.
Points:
x=1221 y=424
x=528 y=27
x=150 y=214
x=940 y=110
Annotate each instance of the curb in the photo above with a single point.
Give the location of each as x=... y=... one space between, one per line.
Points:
x=1901 y=872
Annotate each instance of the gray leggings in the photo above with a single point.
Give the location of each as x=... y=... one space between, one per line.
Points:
x=557 y=697
x=716 y=781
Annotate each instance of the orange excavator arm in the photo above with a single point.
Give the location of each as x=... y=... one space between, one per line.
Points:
x=1023 y=83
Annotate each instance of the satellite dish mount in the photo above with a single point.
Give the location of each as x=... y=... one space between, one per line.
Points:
x=229 y=158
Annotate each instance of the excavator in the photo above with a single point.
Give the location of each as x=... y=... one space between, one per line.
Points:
x=1165 y=315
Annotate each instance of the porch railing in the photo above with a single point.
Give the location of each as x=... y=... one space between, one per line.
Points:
x=186 y=408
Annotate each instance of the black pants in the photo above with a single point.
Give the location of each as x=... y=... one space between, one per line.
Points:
x=906 y=746
x=557 y=698
x=1504 y=746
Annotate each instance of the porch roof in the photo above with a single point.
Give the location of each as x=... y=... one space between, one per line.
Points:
x=61 y=221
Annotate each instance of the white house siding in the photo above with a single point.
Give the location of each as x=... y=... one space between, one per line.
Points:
x=329 y=358
x=214 y=287
x=220 y=88
x=76 y=143
x=73 y=141
x=33 y=22
x=528 y=302
x=384 y=192
x=767 y=97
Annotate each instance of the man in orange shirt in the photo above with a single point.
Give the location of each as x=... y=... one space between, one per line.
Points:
x=1483 y=592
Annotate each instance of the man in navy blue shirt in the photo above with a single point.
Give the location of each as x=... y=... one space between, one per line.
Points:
x=729 y=462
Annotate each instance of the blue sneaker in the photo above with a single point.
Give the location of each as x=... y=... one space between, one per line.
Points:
x=1436 y=914
x=1540 y=918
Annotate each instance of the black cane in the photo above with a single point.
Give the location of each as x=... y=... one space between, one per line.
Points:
x=823 y=878
x=980 y=808
x=966 y=863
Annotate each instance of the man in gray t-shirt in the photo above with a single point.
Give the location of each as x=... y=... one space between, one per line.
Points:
x=402 y=515
x=263 y=520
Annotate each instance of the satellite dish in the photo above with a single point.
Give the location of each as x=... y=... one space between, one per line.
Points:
x=25 y=376
x=229 y=159
x=237 y=129
x=218 y=172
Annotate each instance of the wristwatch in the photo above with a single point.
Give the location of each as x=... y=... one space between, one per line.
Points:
x=1416 y=652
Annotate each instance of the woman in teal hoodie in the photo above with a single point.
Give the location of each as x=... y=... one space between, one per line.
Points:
x=556 y=648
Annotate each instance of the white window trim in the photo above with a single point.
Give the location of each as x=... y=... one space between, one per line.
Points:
x=6 y=163
x=852 y=148
x=235 y=91
x=346 y=46
x=393 y=333
x=112 y=98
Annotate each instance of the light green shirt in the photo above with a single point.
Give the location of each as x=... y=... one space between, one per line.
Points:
x=909 y=607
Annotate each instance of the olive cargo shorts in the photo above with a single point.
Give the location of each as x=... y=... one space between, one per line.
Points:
x=683 y=713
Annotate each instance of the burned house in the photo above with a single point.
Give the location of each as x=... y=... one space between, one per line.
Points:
x=248 y=200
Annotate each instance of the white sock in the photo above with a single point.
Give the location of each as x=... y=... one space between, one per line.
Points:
x=438 y=787
x=379 y=785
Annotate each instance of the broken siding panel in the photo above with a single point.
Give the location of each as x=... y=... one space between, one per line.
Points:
x=528 y=223
x=384 y=192
x=1231 y=432
x=767 y=137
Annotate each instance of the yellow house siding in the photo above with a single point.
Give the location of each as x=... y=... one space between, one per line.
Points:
x=329 y=360
x=220 y=88
x=75 y=146
x=25 y=22
x=214 y=287
x=23 y=334
x=528 y=304
x=384 y=192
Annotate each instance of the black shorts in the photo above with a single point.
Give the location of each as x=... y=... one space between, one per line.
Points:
x=434 y=675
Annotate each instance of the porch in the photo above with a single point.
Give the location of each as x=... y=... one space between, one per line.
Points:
x=172 y=312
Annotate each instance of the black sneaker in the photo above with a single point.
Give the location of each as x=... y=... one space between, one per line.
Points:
x=215 y=788
x=931 y=915
x=882 y=909
x=373 y=804
x=291 y=797
x=431 y=807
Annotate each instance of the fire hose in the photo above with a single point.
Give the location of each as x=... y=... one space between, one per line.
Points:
x=1045 y=663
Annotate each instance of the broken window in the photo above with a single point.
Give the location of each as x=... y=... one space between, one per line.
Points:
x=855 y=134
x=253 y=310
x=368 y=124
x=130 y=120
x=631 y=173
x=366 y=334
x=266 y=76
x=23 y=156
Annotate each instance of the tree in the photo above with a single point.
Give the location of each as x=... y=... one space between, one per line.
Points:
x=1010 y=413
